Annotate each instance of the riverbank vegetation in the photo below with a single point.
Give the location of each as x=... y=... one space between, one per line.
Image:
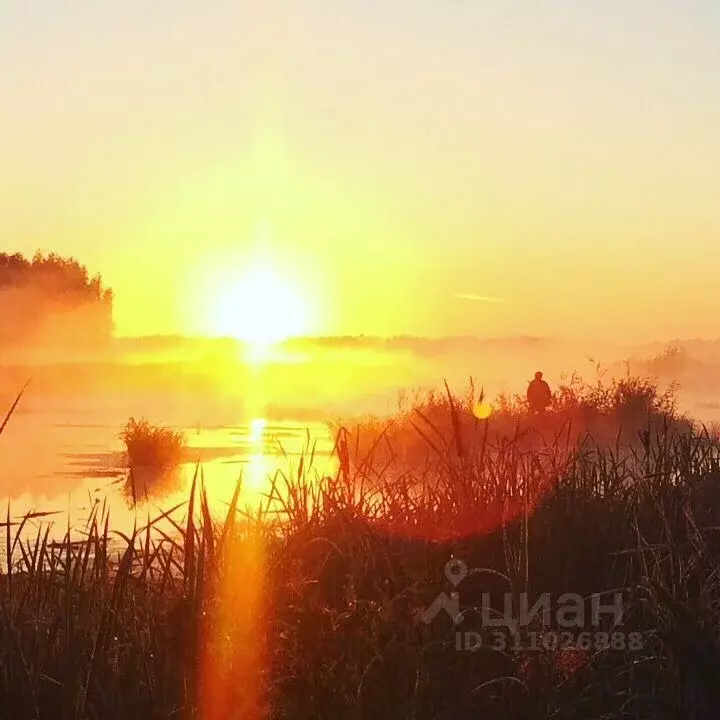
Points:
x=315 y=605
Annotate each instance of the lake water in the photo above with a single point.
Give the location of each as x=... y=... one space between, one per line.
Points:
x=61 y=451
x=63 y=455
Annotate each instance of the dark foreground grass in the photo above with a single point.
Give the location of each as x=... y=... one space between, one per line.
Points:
x=313 y=607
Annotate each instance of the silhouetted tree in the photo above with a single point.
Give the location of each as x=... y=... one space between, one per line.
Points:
x=52 y=299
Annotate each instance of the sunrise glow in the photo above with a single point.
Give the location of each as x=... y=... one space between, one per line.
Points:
x=325 y=324
x=257 y=306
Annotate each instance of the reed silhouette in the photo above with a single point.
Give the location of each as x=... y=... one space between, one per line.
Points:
x=310 y=606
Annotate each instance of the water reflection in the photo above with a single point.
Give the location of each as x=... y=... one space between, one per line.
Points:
x=81 y=470
x=257 y=468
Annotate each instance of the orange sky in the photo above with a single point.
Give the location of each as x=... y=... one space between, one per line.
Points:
x=545 y=169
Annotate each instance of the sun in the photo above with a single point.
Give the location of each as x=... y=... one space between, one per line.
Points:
x=259 y=307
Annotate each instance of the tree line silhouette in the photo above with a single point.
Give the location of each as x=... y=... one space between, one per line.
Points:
x=51 y=298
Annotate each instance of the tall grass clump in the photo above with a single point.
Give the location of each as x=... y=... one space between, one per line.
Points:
x=428 y=424
x=154 y=454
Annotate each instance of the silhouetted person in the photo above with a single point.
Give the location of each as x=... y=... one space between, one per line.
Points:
x=539 y=395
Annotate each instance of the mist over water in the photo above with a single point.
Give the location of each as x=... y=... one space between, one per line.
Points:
x=254 y=417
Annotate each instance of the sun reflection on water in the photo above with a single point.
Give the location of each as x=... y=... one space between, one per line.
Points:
x=257 y=469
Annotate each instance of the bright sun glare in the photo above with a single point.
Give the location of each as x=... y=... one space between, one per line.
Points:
x=260 y=308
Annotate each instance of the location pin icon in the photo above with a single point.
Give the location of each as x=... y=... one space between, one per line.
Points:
x=455 y=571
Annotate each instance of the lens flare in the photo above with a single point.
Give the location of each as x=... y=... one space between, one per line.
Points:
x=482 y=410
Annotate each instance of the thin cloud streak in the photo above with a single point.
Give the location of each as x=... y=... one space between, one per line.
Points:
x=479 y=298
